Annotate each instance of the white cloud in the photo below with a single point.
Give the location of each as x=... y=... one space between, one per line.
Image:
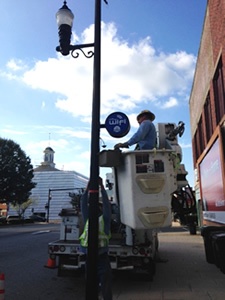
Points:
x=15 y=65
x=186 y=146
x=81 y=163
x=136 y=73
x=43 y=104
x=182 y=62
x=171 y=102
x=13 y=132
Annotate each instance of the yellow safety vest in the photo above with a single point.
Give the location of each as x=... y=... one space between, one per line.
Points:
x=103 y=238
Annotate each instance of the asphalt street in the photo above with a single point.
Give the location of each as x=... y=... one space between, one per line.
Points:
x=183 y=273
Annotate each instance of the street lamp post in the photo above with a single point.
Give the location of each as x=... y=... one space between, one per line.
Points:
x=48 y=204
x=65 y=19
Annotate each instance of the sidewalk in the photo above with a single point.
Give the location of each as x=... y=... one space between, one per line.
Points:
x=185 y=276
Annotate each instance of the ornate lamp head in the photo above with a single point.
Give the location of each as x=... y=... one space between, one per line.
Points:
x=64 y=18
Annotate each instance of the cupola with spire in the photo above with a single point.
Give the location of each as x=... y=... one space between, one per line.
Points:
x=48 y=163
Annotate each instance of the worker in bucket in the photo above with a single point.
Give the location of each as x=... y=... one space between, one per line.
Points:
x=104 y=267
x=145 y=137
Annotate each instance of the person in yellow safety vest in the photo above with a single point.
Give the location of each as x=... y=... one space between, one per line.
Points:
x=104 y=267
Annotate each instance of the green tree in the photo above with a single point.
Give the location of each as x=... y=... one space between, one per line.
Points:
x=16 y=173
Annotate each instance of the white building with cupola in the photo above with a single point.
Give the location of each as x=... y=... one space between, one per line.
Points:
x=51 y=193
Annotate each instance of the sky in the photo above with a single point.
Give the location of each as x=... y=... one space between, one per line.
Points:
x=149 y=51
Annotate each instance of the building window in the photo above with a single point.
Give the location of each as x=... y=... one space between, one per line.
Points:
x=218 y=88
x=201 y=136
x=199 y=139
x=195 y=149
x=208 y=118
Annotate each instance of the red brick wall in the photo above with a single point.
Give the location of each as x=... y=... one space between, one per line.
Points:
x=212 y=48
x=203 y=75
x=217 y=25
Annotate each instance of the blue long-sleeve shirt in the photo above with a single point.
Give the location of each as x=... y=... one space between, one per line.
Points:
x=106 y=215
x=145 y=136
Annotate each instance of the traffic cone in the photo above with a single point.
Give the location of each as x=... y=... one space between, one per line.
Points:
x=2 y=286
x=51 y=263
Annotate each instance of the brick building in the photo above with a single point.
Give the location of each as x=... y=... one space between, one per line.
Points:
x=207 y=115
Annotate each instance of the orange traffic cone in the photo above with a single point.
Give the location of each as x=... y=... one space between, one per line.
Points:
x=51 y=263
x=2 y=286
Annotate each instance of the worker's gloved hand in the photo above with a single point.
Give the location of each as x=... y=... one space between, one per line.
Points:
x=121 y=145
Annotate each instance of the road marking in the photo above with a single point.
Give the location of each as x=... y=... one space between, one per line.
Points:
x=41 y=231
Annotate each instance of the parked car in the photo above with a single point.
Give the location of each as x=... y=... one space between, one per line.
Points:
x=10 y=219
x=37 y=218
x=3 y=220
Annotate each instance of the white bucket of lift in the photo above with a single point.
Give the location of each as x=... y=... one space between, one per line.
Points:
x=146 y=180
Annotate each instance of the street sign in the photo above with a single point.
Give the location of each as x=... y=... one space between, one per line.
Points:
x=117 y=124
